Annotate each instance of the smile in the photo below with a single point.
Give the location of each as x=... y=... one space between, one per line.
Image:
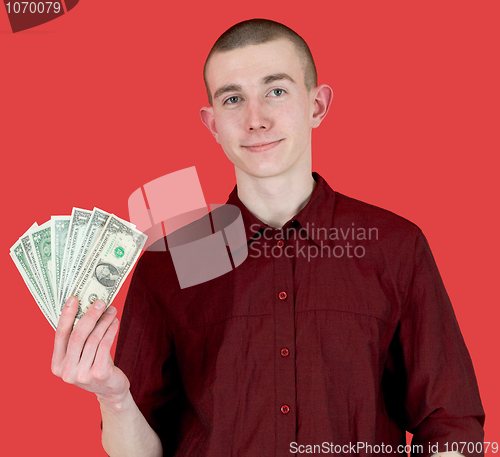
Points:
x=261 y=147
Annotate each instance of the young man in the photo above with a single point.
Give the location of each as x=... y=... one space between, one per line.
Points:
x=335 y=335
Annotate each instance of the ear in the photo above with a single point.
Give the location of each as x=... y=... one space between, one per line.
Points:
x=207 y=117
x=322 y=99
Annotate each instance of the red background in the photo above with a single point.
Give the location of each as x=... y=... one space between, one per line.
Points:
x=106 y=98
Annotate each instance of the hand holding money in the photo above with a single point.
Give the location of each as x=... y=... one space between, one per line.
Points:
x=86 y=257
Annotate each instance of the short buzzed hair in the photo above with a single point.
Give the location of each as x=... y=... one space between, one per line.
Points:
x=258 y=31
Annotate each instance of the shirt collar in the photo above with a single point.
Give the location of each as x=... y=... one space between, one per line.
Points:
x=317 y=213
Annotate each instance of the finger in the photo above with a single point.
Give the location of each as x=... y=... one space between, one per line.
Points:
x=94 y=339
x=63 y=332
x=104 y=350
x=81 y=332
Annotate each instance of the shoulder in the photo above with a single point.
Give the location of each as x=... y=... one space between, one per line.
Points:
x=349 y=210
x=388 y=237
x=156 y=267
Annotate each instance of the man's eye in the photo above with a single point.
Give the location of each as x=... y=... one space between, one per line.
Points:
x=232 y=100
x=277 y=92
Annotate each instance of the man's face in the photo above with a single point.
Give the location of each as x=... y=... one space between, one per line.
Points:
x=262 y=112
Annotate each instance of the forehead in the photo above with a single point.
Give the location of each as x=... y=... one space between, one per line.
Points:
x=249 y=64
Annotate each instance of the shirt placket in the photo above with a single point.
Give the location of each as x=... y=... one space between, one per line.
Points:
x=284 y=350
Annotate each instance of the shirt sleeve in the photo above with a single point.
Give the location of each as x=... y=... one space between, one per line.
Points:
x=442 y=403
x=145 y=351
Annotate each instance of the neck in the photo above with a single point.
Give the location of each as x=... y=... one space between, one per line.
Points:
x=277 y=199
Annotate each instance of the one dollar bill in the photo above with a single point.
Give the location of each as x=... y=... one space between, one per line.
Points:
x=108 y=264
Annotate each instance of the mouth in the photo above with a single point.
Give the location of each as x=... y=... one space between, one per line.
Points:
x=262 y=147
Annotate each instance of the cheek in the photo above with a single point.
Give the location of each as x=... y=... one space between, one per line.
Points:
x=296 y=116
x=226 y=127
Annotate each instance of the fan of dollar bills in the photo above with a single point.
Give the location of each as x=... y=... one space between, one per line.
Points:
x=88 y=254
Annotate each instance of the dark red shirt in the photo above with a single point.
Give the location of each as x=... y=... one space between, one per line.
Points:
x=335 y=332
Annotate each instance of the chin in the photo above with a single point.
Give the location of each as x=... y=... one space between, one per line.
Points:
x=265 y=171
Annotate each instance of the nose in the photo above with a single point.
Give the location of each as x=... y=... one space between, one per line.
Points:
x=257 y=117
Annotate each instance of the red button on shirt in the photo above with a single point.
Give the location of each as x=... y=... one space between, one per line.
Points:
x=280 y=243
x=282 y=295
x=284 y=352
x=285 y=409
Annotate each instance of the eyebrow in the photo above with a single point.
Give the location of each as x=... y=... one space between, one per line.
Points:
x=276 y=77
x=226 y=88
x=265 y=80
